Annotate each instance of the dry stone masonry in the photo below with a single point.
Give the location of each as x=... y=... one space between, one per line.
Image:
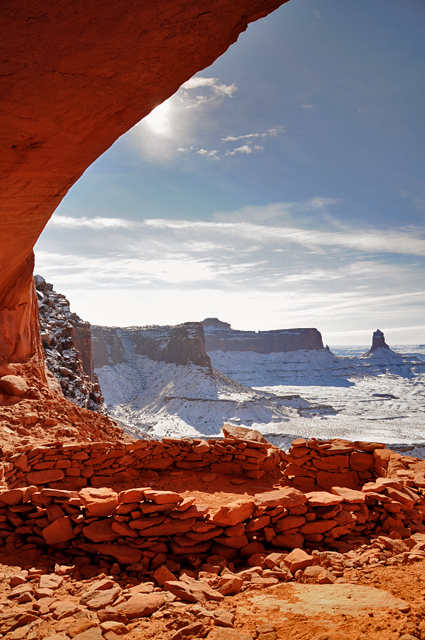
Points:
x=353 y=492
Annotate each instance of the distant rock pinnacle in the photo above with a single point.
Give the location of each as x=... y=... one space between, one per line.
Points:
x=378 y=341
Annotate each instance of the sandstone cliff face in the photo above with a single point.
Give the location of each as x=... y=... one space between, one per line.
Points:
x=220 y=337
x=181 y=344
x=75 y=77
x=67 y=346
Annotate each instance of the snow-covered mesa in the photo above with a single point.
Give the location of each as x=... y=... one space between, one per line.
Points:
x=376 y=396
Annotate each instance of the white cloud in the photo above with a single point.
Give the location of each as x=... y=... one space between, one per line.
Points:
x=312 y=107
x=69 y=222
x=244 y=149
x=234 y=139
x=254 y=267
x=195 y=83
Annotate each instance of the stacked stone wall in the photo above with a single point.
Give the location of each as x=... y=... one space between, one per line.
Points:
x=61 y=497
x=146 y=528
x=99 y=464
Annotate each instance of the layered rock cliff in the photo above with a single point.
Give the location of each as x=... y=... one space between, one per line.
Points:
x=75 y=77
x=67 y=347
x=181 y=344
x=219 y=336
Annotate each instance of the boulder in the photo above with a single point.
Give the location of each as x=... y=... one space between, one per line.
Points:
x=318 y=526
x=162 y=574
x=230 y=584
x=290 y=522
x=13 y=385
x=298 y=559
x=12 y=497
x=140 y=606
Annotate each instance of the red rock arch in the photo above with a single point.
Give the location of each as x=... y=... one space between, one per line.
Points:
x=74 y=77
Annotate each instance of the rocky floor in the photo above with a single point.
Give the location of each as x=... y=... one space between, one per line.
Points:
x=58 y=598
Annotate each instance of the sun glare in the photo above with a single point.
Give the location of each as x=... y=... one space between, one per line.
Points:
x=159 y=120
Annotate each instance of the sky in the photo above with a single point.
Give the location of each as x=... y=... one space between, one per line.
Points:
x=281 y=187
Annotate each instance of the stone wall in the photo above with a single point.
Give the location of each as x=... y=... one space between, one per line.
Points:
x=101 y=464
x=62 y=498
x=140 y=525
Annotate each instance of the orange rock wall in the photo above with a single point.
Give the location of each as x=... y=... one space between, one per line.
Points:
x=74 y=77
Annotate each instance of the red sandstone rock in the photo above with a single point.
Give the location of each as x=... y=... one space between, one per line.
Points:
x=289 y=541
x=13 y=385
x=318 y=526
x=360 y=461
x=162 y=574
x=140 y=606
x=229 y=585
x=242 y=433
x=349 y=495
x=257 y=523
x=59 y=531
x=13 y=496
x=285 y=497
x=233 y=513
x=323 y=499
x=99 y=502
x=130 y=495
x=100 y=531
x=162 y=497
x=234 y=542
x=138 y=66
x=122 y=553
x=96 y=600
x=298 y=559
x=327 y=480
x=201 y=547
x=45 y=476
x=192 y=591
x=290 y=522
x=168 y=529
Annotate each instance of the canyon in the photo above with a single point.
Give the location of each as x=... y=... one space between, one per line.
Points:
x=227 y=530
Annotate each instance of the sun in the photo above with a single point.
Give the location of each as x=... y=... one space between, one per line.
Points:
x=159 y=121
